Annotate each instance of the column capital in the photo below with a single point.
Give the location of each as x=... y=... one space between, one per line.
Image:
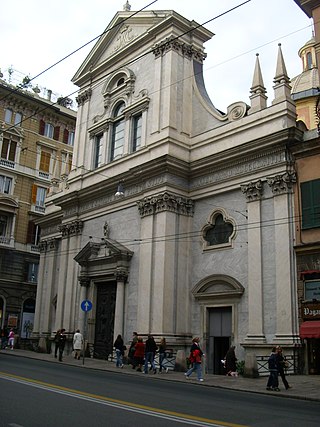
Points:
x=165 y=202
x=282 y=184
x=253 y=190
x=71 y=228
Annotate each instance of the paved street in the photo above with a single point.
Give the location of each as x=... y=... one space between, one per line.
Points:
x=37 y=393
x=303 y=386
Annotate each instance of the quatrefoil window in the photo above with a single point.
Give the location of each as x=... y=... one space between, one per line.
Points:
x=219 y=231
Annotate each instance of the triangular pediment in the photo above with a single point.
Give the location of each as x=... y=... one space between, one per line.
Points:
x=106 y=249
x=122 y=32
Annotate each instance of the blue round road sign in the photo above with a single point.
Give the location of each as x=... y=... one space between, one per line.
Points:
x=86 y=305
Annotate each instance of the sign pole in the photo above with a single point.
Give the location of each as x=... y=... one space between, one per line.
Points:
x=86 y=306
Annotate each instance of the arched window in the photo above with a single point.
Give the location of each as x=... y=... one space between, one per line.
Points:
x=8 y=116
x=219 y=231
x=117 y=138
x=309 y=61
x=18 y=119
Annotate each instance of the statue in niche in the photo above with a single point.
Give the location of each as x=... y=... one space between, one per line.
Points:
x=106 y=230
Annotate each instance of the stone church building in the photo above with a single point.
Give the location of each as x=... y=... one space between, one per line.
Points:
x=176 y=218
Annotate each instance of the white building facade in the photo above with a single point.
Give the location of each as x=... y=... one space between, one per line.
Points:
x=199 y=241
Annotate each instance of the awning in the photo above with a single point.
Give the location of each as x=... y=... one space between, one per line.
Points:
x=310 y=329
x=309 y=273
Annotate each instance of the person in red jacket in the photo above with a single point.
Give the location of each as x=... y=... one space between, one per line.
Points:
x=139 y=354
x=195 y=358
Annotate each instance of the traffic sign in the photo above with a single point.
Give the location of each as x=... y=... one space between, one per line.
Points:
x=86 y=305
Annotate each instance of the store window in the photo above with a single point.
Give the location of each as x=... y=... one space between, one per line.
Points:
x=312 y=290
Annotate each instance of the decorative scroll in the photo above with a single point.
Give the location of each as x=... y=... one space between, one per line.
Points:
x=281 y=184
x=253 y=191
x=165 y=202
x=84 y=97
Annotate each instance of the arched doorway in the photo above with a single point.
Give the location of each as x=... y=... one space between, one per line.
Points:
x=218 y=297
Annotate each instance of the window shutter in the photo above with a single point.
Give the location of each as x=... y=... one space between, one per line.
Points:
x=34 y=194
x=310 y=203
x=31 y=232
x=41 y=127
x=65 y=136
x=45 y=161
x=56 y=133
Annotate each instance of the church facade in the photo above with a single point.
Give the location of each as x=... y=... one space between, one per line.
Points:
x=176 y=218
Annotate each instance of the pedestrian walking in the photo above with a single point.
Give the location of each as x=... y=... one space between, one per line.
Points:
x=162 y=354
x=77 y=344
x=61 y=343
x=195 y=358
x=139 y=354
x=3 y=338
x=150 y=351
x=273 y=382
x=11 y=339
x=119 y=347
x=56 y=342
x=281 y=364
x=231 y=362
x=132 y=349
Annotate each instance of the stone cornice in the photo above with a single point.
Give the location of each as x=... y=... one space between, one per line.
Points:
x=72 y=228
x=165 y=202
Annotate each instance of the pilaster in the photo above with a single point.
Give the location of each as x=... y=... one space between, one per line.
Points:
x=253 y=192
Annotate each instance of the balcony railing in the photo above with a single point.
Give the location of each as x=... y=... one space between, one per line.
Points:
x=7 y=163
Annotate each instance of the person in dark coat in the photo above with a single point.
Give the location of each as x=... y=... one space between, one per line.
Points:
x=273 y=382
x=231 y=362
x=150 y=351
x=132 y=349
x=162 y=354
x=61 y=343
x=118 y=345
x=281 y=362
x=56 y=343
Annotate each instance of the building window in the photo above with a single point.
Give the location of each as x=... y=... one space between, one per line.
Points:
x=136 y=132
x=312 y=290
x=8 y=116
x=45 y=161
x=48 y=130
x=3 y=226
x=38 y=197
x=117 y=139
x=71 y=139
x=310 y=201
x=97 y=151
x=17 y=119
x=309 y=61
x=8 y=150
x=5 y=184
x=219 y=232
x=33 y=235
x=32 y=274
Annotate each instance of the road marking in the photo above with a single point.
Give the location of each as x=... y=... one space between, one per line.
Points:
x=120 y=404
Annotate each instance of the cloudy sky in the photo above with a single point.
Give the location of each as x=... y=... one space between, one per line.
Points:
x=37 y=34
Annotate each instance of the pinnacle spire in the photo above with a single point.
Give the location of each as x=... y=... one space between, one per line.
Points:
x=127 y=6
x=282 y=88
x=258 y=91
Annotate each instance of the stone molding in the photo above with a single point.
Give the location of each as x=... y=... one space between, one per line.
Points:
x=48 y=245
x=165 y=202
x=253 y=190
x=84 y=281
x=72 y=228
x=83 y=97
x=282 y=184
x=171 y=43
x=121 y=274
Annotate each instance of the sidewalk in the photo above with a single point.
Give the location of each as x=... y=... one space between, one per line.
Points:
x=305 y=387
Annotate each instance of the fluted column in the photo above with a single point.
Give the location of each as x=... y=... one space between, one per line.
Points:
x=285 y=298
x=253 y=192
x=41 y=289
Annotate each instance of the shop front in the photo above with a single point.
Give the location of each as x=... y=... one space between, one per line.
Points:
x=310 y=333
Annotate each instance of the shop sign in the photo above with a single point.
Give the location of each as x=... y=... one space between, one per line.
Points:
x=311 y=311
x=12 y=321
